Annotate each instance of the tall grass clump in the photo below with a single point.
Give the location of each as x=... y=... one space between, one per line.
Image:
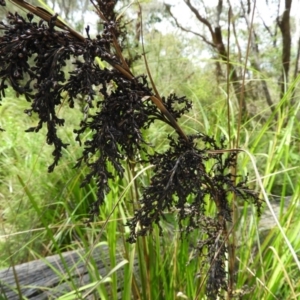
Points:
x=176 y=199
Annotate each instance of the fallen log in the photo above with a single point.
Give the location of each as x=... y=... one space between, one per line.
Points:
x=56 y=275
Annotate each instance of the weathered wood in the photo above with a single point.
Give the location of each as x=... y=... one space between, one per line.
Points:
x=55 y=275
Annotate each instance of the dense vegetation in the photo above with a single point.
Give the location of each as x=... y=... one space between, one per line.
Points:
x=148 y=162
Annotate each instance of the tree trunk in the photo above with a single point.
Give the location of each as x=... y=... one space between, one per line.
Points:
x=284 y=25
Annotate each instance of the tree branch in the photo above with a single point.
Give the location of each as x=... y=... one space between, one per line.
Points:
x=200 y=18
x=216 y=34
x=168 y=9
x=284 y=25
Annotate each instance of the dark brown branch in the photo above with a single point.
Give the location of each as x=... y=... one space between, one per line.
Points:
x=284 y=25
x=296 y=70
x=297 y=64
x=248 y=7
x=219 y=11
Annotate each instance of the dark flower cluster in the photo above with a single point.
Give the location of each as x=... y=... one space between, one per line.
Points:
x=33 y=59
x=183 y=105
x=24 y=40
x=215 y=257
x=183 y=181
x=116 y=130
x=106 y=7
x=33 y=56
